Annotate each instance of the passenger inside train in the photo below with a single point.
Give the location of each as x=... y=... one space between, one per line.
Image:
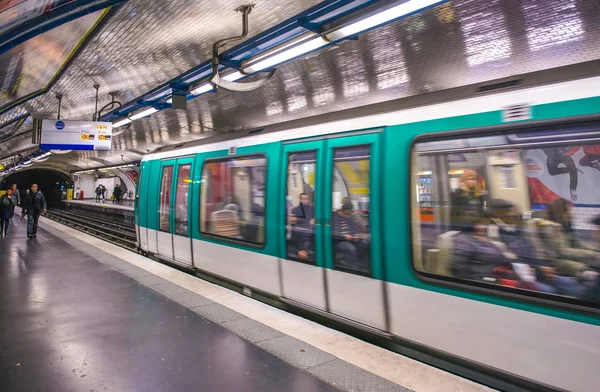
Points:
x=351 y=243
x=505 y=216
x=349 y=195
x=233 y=199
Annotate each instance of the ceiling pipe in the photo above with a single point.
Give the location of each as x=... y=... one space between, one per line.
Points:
x=228 y=82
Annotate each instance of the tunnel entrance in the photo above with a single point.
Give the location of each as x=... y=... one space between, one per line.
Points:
x=50 y=182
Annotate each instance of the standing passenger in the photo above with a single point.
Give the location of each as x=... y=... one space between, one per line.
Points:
x=33 y=205
x=7 y=206
x=304 y=213
x=468 y=202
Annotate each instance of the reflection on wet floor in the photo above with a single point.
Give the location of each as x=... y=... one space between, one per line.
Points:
x=71 y=323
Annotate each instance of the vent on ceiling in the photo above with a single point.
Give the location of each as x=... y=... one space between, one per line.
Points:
x=498 y=86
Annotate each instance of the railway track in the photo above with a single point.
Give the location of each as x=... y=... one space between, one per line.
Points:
x=117 y=233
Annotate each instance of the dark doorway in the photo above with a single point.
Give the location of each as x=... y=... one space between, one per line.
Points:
x=50 y=182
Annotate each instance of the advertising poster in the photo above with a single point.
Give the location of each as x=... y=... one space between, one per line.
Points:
x=31 y=66
x=571 y=173
x=133 y=174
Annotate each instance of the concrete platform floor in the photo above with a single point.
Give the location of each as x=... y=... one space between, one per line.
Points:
x=71 y=323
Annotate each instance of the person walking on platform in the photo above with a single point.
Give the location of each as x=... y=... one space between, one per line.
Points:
x=33 y=205
x=16 y=197
x=7 y=206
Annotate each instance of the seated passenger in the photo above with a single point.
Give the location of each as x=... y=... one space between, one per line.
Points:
x=351 y=251
x=475 y=257
x=571 y=255
x=508 y=228
x=542 y=273
x=301 y=245
x=467 y=202
x=304 y=213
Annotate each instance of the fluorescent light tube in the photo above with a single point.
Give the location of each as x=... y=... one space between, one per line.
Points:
x=145 y=113
x=233 y=76
x=202 y=89
x=286 y=55
x=121 y=123
x=382 y=17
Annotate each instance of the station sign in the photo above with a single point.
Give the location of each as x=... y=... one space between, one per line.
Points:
x=75 y=135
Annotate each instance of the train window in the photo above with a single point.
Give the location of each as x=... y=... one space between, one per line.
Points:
x=350 y=203
x=516 y=211
x=300 y=217
x=165 y=199
x=233 y=198
x=181 y=200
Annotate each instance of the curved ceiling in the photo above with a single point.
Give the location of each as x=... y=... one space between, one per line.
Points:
x=461 y=42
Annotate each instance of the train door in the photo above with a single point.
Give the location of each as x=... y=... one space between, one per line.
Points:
x=164 y=238
x=140 y=218
x=351 y=225
x=180 y=207
x=301 y=238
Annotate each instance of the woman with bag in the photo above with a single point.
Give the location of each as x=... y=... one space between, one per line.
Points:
x=7 y=206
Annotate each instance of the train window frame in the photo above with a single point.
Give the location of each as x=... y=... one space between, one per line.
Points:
x=369 y=272
x=162 y=168
x=482 y=288
x=286 y=189
x=200 y=190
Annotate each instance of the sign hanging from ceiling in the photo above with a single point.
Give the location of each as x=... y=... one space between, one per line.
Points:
x=75 y=135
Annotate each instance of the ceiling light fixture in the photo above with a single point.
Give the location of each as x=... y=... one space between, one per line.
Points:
x=202 y=89
x=143 y=114
x=384 y=16
x=121 y=123
x=136 y=116
x=286 y=55
x=304 y=45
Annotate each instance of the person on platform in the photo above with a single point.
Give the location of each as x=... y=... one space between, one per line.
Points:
x=7 y=206
x=16 y=196
x=33 y=205
x=117 y=194
x=98 y=193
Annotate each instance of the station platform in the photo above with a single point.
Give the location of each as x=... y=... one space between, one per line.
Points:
x=123 y=212
x=123 y=205
x=80 y=314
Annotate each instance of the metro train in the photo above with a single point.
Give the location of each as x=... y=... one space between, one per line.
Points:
x=351 y=216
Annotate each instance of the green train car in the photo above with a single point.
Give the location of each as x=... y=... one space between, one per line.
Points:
x=466 y=227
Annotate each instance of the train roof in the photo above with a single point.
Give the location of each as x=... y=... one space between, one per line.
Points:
x=540 y=78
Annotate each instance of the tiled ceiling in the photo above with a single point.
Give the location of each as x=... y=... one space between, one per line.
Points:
x=458 y=43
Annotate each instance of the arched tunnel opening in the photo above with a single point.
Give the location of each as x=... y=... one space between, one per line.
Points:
x=52 y=183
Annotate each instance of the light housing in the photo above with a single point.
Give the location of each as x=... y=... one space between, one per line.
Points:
x=404 y=9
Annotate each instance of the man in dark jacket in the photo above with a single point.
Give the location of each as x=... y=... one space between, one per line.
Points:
x=304 y=213
x=33 y=205
x=117 y=194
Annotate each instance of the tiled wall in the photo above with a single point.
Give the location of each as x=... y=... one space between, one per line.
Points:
x=582 y=217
